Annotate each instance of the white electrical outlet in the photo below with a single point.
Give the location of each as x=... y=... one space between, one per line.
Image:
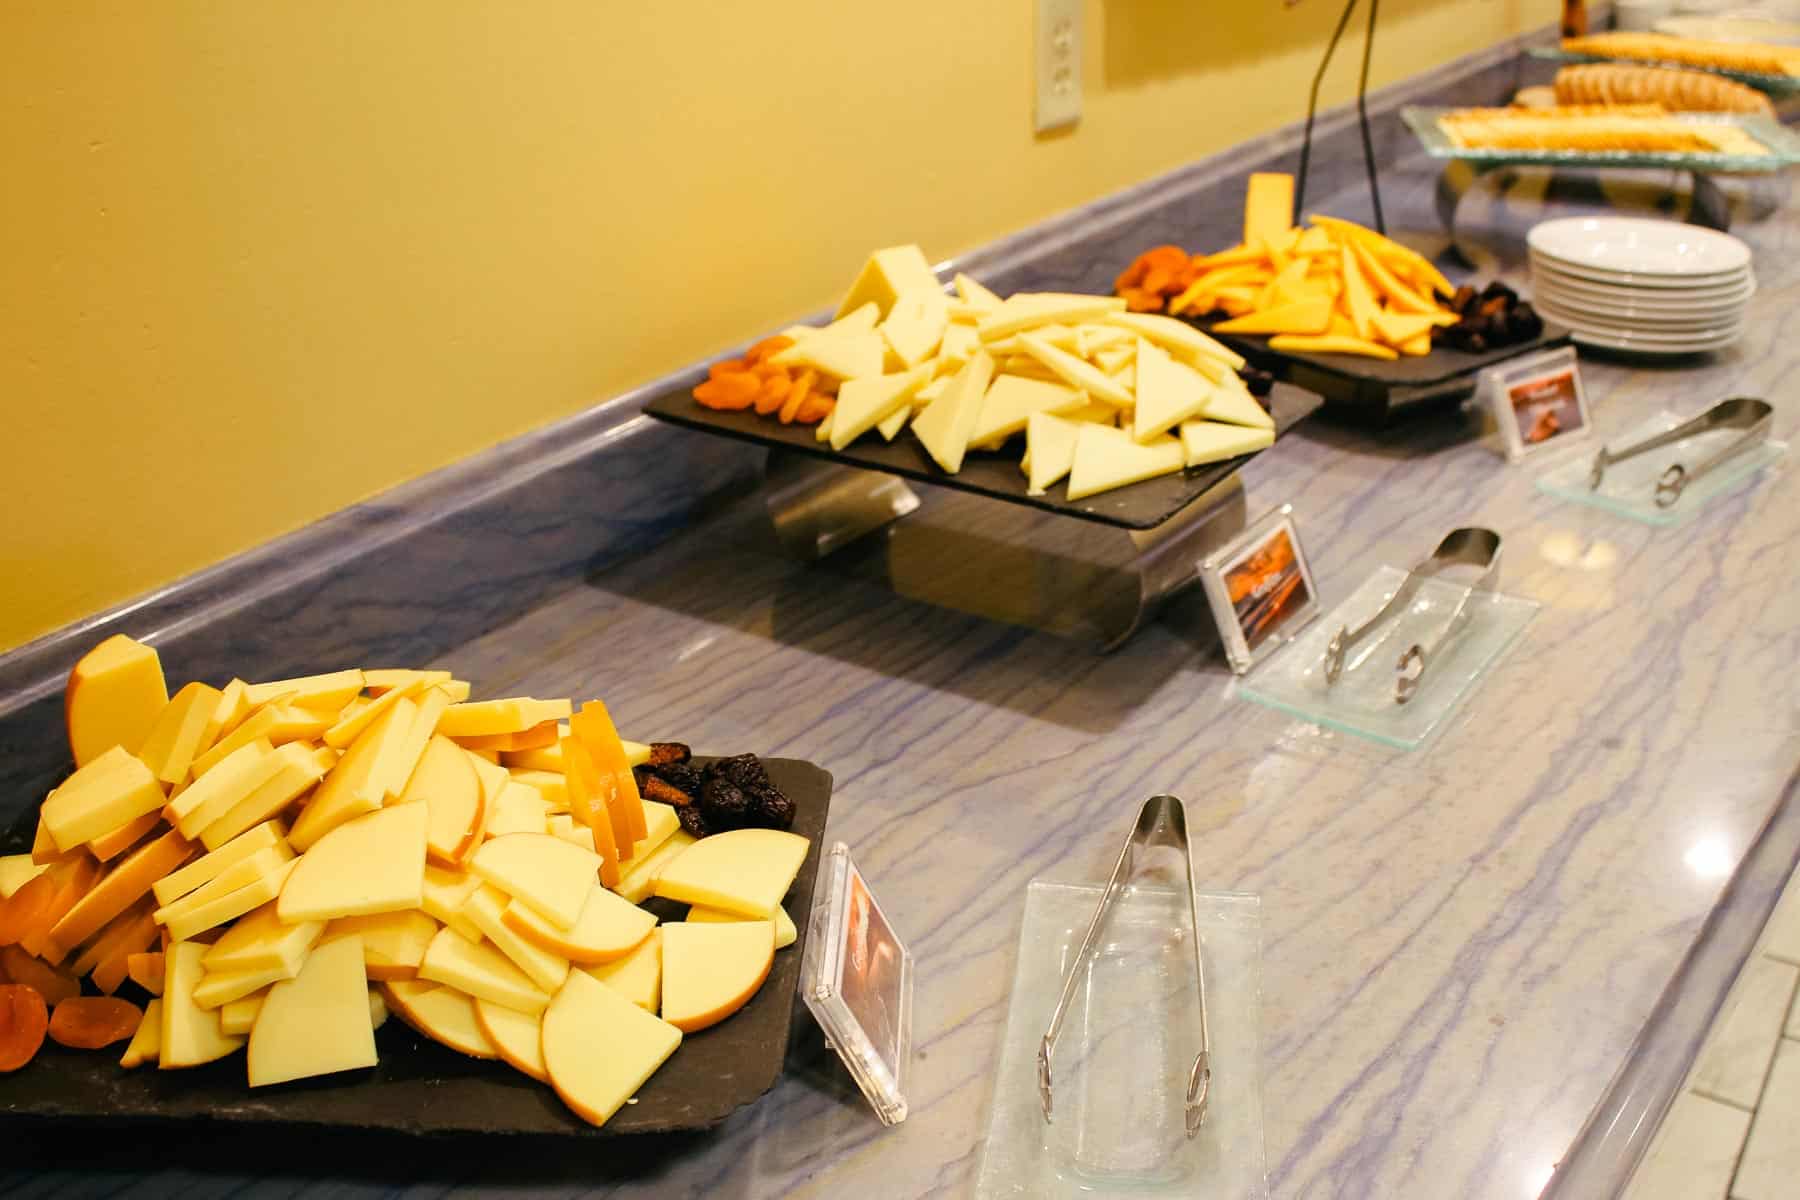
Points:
x=1058 y=63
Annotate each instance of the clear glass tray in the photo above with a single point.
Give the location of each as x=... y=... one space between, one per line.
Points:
x=1361 y=702
x=1774 y=85
x=1128 y=1041
x=1782 y=144
x=1629 y=488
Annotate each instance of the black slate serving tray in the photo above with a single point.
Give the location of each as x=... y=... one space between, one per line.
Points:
x=996 y=475
x=1377 y=388
x=422 y=1088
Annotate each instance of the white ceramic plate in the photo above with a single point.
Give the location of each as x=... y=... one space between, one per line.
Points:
x=1658 y=323
x=1672 y=299
x=1639 y=246
x=1640 y=346
x=1680 y=283
x=1603 y=334
x=1565 y=297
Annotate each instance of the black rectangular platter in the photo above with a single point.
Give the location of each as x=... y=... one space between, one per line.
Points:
x=996 y=475
x=1379 y=387
x=423 y=1089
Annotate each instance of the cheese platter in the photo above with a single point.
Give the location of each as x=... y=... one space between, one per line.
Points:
x=418 y=913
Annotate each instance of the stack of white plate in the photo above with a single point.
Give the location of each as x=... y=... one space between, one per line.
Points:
x=1628 y=283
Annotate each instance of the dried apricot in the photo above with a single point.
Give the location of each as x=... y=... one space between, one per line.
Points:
x=1158 y=279
x=729 y=366
x=816 y=409
x=772 y=393
x=766 y=347
x=1128 y=278
x=25 y=909
x=50 y=983
x=1138 y=300
x=797 y=396
x=23 y=1019
x=90 y=1022
x=730 y=391
x=1171 y=257
x=146 y=970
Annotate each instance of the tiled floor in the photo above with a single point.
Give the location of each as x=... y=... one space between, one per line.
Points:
x=1734 y=1132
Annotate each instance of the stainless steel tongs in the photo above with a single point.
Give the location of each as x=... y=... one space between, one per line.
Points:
x=1162 y=821
x=1467 y=547
x=1752 y=416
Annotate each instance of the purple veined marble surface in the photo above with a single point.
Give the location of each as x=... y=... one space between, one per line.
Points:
x=1461 y=945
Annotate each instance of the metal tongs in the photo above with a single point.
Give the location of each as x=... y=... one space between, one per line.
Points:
x=1467 y=547
x=1162 y=821
x=1752 y=416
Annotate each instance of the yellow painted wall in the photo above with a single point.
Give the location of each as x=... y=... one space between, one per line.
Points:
x=260 y=259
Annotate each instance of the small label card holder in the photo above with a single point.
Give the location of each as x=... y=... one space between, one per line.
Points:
x=857 y=980
x=1260 y=588
x=1537 y=401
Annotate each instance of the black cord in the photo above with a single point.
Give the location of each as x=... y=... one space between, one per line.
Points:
x=1362 y=113
x=1312 y=106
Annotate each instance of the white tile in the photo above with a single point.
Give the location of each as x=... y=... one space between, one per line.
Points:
x=1770 y=1168
x=1737 y=1053
x=1781 y=936
x=1694 y=1152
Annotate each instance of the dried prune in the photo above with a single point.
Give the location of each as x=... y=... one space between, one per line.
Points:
x=682 y=776
x=724 y=804
x=692 y=821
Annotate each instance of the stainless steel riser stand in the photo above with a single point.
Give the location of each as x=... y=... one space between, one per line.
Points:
x=1006 y=562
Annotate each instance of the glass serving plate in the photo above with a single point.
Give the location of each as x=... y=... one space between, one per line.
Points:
x=1774 y=85
x=1361 y=702
x=1782 y=144
x=1128 y=1041
x=1629 y=487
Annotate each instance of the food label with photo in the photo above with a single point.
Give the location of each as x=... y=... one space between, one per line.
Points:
x=1537 y=402
x=1260 y=588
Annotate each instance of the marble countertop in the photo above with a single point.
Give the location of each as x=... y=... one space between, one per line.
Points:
x=1460 y=943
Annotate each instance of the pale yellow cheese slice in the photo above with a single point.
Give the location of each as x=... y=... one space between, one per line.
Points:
x=518 y=809
x=111 y=789
x=278 y=724
x=711 y=969
x=512 y=714
x=175 y=738
x=176 y=884
x=479 y=969
x=214 y=794
x=517 y=1036
x=219 y=989
x=948 y=422
x=890 y=427
x=609 y=928
x=443 y=1014
x=1109 y=458
x=17 y=870
x=1050 y=447
x=544 y=967
x=258 y=866
x=298 y=767
x=1177 y=337
x=959 y=346
x=1076 y=372
x=637 y=976
x=552 y=785
x=660 y=822
x=888 y=274
x=316 y=1023
x=351 y=727
x=327 y=693
x=442 y=895
x=914 y=326
x=849 y=355
x=261 y=939
x=401 y=757
x=238 y=1017
x=393 y=942
x=386 y=679
x=599 y=1048
x=353 y=786
x=1232 y=403
x=1213 y=441
x=865 y=402
x=197 y=920
x=974 y=293
x=744 y=871
x=785 y=933
x=190 y=1034
x=1011 y=400
x=822 y=431
x=638 y=881
x=1168 y=393
x=547 y=874
x=146 y=1043
x=1028 y=310
x=375 y=863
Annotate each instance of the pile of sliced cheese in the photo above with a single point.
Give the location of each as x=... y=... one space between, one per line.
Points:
x=286 y=845
x=1102 y=397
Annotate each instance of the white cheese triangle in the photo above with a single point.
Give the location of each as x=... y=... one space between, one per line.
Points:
x=1011 y=401
x=915 y=324
x=973 y=292
x=864 y=403
x=891 y=426
x=1049 y=450
x=1177 y=337
x=1212 y=441
x=1028 y=310
x=947 y=423
x=1075 y=372
x=1107 y=458
x=843 y=355
x=1232 y=403
x=1168 y=392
